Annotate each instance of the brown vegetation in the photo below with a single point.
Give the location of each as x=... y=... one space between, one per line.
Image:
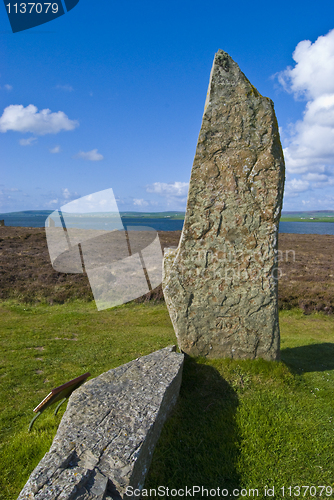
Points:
x=306 y=264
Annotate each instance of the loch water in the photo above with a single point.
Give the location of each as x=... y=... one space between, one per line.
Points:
x=37 y=219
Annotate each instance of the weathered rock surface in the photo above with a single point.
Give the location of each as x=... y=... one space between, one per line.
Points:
x=219 y=285
x=107 y=435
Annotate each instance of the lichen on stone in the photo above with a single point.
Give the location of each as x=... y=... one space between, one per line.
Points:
x=223 y=307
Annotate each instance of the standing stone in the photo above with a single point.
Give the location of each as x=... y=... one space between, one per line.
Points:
x=104 y=444
x=220 y=284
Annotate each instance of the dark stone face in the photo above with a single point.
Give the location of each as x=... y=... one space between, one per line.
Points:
x=220 y=284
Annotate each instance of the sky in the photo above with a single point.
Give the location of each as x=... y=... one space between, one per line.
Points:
x=111 y=95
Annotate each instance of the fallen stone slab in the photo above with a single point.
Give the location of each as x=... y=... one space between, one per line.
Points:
x=220 y=284
x=106 y=438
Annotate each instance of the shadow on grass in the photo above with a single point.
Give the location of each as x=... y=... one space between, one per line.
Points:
x=199 y=444
x=309 y=358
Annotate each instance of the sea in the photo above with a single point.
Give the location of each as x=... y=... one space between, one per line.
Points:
x=37 y=219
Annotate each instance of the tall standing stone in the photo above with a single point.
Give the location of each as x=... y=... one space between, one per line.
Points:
x=220 y=284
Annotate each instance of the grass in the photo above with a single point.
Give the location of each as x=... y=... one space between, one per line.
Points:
x=309 y=216
x=44 y=346
x=237 y=424
x=327 y=218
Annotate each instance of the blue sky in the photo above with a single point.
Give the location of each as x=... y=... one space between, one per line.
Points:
x=125 y=86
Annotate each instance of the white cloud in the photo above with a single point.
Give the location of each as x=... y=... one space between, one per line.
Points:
x=92 y=155
x=324 y=203
x=66 y=193
x=20 y=119
x=66 y=196
x=66 y=88
x=319 y=180
x=27 y=142
x=295 y=186
x=61 y=198
x=174 y=194
x=310 y=141
x=164 y=189
x=101 y=201
x=52 y=203
x=313 y=75
x=8 y=87
x=140 y=202
x=55 y=150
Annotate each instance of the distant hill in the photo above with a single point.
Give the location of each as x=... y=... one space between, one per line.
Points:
x=316 y=213
x=308 y=216
x=36 y=218
x=154 y=215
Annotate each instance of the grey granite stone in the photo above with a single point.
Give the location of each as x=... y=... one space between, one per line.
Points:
x=220 y=285
x=107 y=435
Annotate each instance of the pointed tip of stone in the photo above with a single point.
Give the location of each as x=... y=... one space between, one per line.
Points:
x=221 y=51
x=226 y=78
x=224 y=59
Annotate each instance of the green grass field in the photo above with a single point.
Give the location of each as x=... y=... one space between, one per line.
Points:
x=237 y=424
x=310 y=216
x=307 y=219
